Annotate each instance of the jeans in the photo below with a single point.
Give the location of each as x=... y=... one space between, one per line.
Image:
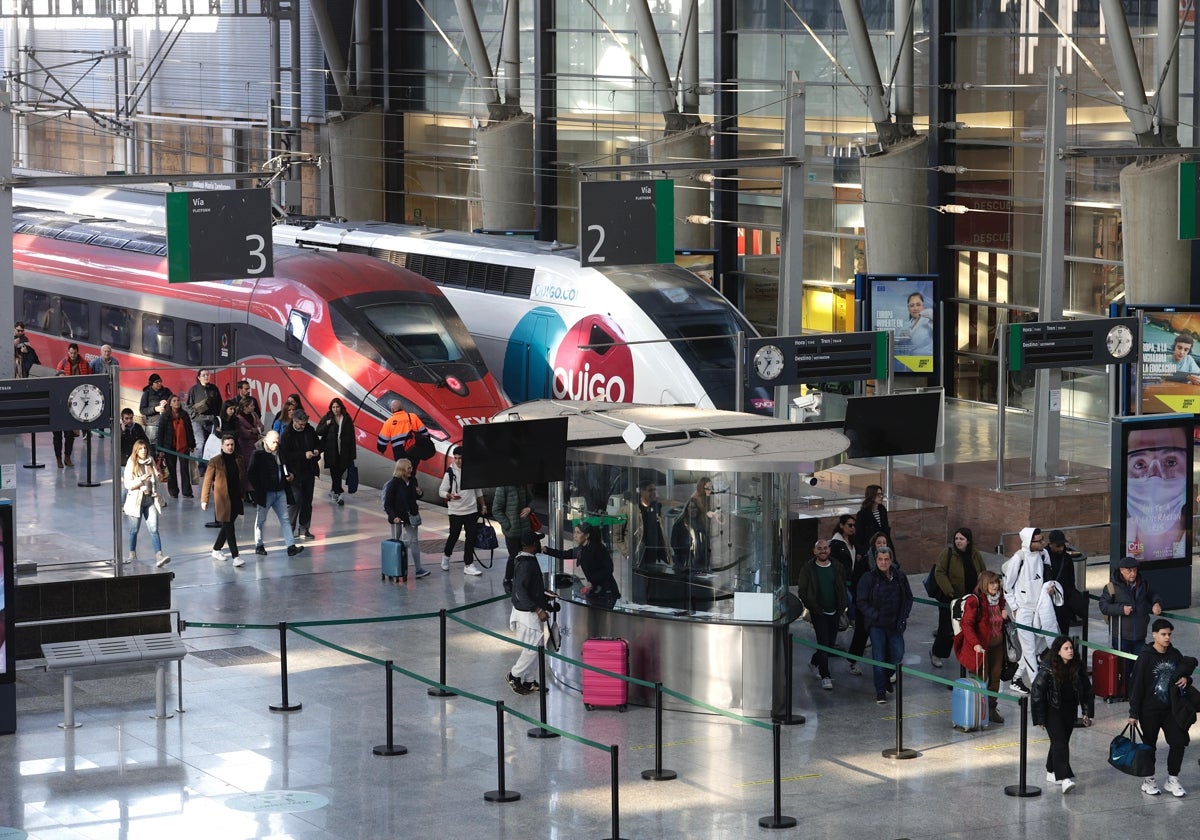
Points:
x=134 y=523
x=887 y=645
x=408 y=534
x=275 y=500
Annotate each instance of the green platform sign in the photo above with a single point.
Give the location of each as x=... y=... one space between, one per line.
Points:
x=1189 y=199
x=219 y=235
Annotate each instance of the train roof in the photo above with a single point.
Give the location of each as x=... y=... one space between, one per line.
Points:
x=331 y=275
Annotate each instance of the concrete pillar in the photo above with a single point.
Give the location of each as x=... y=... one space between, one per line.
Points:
x=894 y=208
x=506 y=173
x=356 y=157
x=1158 y=266
x=691 y=195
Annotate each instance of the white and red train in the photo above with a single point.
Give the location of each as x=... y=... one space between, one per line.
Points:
x=325 y=325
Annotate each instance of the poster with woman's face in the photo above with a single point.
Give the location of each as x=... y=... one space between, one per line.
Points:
x=1158 y=510
x=905 y=306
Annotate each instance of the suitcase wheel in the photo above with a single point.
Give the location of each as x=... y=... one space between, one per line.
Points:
x=589 y=707
x=621 y=708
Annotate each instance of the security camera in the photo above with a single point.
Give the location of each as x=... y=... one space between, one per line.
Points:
x=809 y=402
x=809 y=479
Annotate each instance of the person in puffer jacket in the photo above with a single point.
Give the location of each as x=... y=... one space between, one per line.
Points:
x=1026 y=577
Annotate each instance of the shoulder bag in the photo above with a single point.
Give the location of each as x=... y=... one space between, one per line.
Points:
x=352 y=478
x=1129 y=754
x=486 y=540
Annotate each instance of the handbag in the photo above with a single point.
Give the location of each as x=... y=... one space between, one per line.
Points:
x=160 y=467
x=352 y=478
x=535 y=524
x=486 y=540
x=414 y=519
x=418 y=446
x=931 y=587
x=1129 y=755
x=1012 y=644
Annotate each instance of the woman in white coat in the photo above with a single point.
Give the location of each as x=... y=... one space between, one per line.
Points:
x=143 y=500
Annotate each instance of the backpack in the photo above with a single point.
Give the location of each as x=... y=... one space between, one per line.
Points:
x=956 y=612
x=931 y=587
x=383 y=491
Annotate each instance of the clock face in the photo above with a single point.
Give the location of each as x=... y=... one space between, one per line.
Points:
x=768 y=362
x=1120 y=341
x=85 y=403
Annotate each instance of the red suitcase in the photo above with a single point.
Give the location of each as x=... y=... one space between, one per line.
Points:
x=601 y=689
x=1108 y=676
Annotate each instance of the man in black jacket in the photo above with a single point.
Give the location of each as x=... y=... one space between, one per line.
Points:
x=1156 y=675
x=270 y=493
x=530 y=611
x=300 y=448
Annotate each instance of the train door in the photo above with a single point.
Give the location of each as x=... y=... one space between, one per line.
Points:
x=224 y=349
x=528 y=371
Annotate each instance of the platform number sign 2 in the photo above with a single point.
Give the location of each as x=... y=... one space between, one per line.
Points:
x=219 y=235
x=626 y=222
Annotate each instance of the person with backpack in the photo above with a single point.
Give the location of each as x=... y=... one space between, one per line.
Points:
x=955 y=573
x=464 y=508
x=400 y=494
x=979 y=642
x=1027 y=588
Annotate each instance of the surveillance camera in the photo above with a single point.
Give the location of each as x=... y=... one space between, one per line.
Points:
x=809 y=479
x=809 y=402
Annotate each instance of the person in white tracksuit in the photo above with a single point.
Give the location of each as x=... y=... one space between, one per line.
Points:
x=1026 y=581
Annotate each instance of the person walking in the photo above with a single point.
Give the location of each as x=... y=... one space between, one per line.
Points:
x=956 y=573
x=338 y=446
x=863 y=564
x=143 y=500
x=1027 y=588
x=1128 y=603
x=822 y=589
x=406 y=435
x=531 y=609
x=979 y=645
x=300 y=449
x=176 y=442
x=225 y=486
x=511 y=505
x=265 y=475
x=872 y=519
x=1060 y=687
x=400 y=505
x=1157 y=673
x=71 y=365
x=464 y=508
x=884 y=603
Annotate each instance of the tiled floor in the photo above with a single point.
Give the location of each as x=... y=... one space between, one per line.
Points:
x=124 y=775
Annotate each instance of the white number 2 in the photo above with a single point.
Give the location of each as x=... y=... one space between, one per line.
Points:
x=592 y=258
x=257 y=252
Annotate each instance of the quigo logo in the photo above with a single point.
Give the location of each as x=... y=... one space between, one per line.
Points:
x=593 y=363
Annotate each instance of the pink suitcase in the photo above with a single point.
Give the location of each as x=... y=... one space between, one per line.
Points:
x=601 y=689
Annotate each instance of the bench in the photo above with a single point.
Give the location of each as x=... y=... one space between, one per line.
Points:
x=70 y=657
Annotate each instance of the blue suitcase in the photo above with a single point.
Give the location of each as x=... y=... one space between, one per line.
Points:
x=968 y=709
x=393 y=561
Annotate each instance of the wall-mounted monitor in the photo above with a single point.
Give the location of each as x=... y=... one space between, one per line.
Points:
x=514 y=452
x=893 y=424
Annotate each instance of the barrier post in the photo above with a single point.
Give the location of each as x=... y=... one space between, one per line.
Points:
x=1021 y=789
x=616 y=801
x=284 y=705
x=777 y=820
x=87 y=436
x=33 y=461
x=899 y=752
x=500 y=794
x=540 y=731
x=658 y=774
x=787 y=718
x=389 y=748
x=441 y=690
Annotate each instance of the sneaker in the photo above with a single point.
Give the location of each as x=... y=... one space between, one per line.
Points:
x=1068 y=785
x=518 y=686
x=814 y=670
x=132 y=557
x=892 y=678
x=881 y=699
x=471 y=569
x=1173 y=787
x=260 y=549
x=936 y=661
x=1051 y=778
x=293 y=550
x=445 y=564
x=238 y=561
x=218 y=555
x=338 y=500
x=1150 y=787
x=422 y=573
x=855 y=671
x=827 y=684
x=1018 y=686
x=161 y=559
x=533 y=686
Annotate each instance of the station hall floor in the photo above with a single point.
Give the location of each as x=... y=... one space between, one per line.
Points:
x=219 y=769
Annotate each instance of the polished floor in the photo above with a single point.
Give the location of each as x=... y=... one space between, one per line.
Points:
x=221 y=768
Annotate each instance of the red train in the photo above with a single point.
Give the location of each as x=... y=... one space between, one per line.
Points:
x=325 y=325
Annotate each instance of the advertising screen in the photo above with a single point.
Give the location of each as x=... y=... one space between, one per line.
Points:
x=1170 y=359
x=907 y=307
x=1151 y=495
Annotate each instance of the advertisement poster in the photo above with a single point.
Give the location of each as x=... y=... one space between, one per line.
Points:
x=1155 y=502
x=1170 y=361
x=908 y=308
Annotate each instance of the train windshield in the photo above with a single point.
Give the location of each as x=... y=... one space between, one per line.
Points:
x=420 y=337
x=684 y=306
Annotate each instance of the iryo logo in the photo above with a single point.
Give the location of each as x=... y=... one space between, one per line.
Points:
x=594 y=363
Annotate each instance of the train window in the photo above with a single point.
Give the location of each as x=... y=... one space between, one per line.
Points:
x=158 y=336
x=33 y=305
x=296 y=329
x=195 y=345
x=416 y=329
x=66 y=317
x=115 y=328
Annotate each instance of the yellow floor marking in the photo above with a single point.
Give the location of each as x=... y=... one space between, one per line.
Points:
x=782 y=779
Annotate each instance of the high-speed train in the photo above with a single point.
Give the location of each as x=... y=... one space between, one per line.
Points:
x=549 y=328
x=325 y=325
